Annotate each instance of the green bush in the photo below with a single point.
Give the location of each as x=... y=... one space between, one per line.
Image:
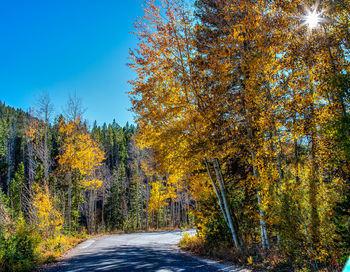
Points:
x=17 y=249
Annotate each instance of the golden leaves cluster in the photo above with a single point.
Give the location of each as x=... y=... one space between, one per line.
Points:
x=80 y=152
x=49 y=219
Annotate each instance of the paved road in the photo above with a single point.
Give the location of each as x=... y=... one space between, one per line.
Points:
x=143 y=252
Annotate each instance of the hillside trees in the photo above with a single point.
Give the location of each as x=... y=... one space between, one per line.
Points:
x=60 y=178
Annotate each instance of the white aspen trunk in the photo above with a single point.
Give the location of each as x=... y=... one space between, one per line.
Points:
x=264 y=239
x=69 y=208
x=137 y=205
x=216 y=190
x=141 y=206
x=227 y=210
x=313 y=183
x=172 y=215
x=103 y=210
x=147 y=202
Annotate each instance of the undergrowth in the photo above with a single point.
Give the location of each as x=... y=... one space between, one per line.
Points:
x=253 y=257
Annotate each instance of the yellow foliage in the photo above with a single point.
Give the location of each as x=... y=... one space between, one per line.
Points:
x=48 y=220
x=261 y=93
x=250 y=260
x=31 y=133
x=53 y=247
x=92 y=184
x=80 y=152
x=157 y=198
x=193 y=243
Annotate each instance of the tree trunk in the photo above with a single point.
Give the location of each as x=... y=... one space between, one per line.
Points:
x=263 y=232
x=234 y=231
x=313 y=183
x=103 y=210
x=147 y=202
x=216 y=190
x=69 y=208
x=46 y=153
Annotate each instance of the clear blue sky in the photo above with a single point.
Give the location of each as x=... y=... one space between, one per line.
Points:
x=68 y=46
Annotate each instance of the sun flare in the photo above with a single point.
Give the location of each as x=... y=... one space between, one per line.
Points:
x=312 y=19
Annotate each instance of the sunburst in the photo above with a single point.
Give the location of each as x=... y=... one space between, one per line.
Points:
x=313 y=16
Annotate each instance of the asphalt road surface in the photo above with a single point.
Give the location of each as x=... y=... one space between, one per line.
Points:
x=143 y=252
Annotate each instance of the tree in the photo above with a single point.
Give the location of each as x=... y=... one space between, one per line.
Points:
x=169 y=95
x=79 y=159
x=47 y=218
x=38 y=132
x=157 y=200
x=17 y=191
x=74 y=109
x=3 y=137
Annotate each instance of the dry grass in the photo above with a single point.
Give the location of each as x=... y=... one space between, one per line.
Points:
x=253 y=257
x=52 y=248
x=223 y=251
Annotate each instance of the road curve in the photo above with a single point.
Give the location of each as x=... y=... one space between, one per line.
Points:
x=143 y=252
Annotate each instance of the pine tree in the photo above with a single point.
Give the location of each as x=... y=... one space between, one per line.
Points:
x=17 y=191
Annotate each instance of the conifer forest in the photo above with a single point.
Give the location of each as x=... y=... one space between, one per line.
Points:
x=242 y=131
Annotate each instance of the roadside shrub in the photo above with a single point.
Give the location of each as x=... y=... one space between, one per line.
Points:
x=184 y=240
x=52 y=247
x=195 y=243
x=18 y=248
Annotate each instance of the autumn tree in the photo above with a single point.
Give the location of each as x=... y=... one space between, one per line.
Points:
x=79 y=159
x=38 y=131
x=47 y=218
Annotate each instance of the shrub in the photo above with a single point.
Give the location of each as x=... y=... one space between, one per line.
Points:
x=18 y=249
x=194 y=243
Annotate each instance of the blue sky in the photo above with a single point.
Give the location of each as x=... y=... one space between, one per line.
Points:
x=68 y=46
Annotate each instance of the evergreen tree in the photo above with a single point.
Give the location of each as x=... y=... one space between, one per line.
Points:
x=17 y=191
x=39 y=178
x=113 y=206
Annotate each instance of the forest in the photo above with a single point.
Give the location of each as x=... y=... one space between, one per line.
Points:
x=247 y=104
x=63 y=181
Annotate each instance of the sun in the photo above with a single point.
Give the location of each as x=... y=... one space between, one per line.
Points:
x=312 y=19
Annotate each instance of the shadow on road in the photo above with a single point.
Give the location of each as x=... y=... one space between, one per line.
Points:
x=131 y=258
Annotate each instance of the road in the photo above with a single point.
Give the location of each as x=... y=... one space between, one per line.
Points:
x=149 y=251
